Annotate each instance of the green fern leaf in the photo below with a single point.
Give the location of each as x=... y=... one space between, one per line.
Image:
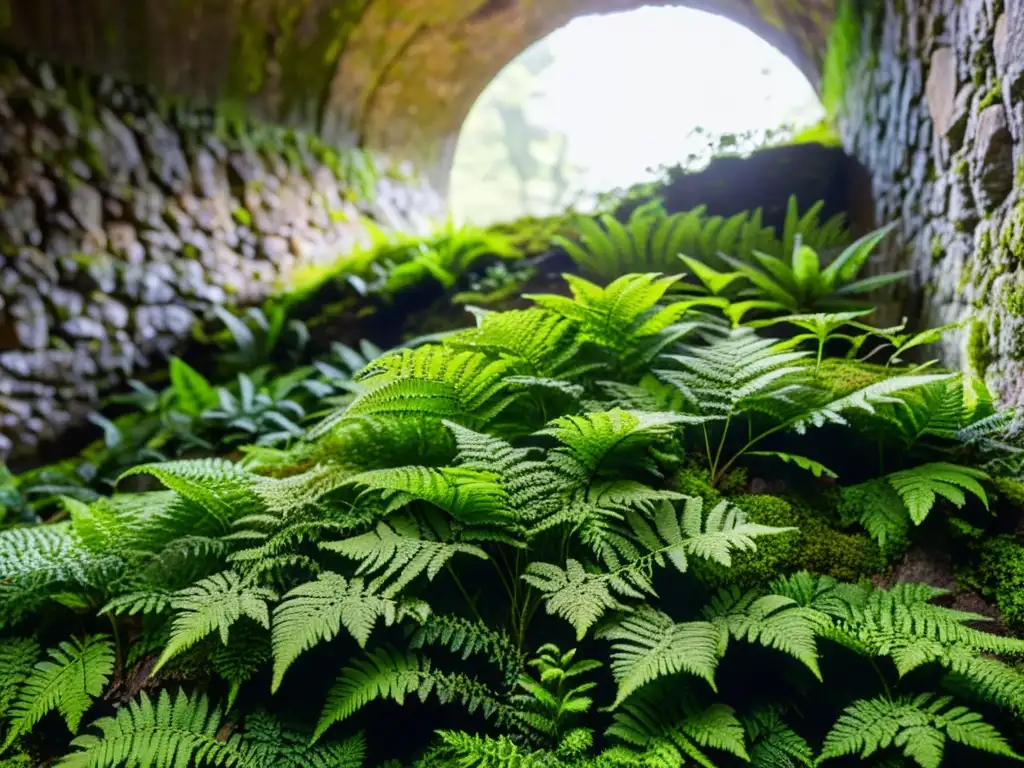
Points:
x=17 y=660
x=242 y=657
x=400 y=554
x=77 y=672
x=815 y=468
x=213 y=605
x=315 y=612
x=466 y=494
x=224 y=490
x=172 y=734
x=919 y=487
x=919 y=726
x=648 y=645
x=774 y=743
x=774 y=621
x=579 y=597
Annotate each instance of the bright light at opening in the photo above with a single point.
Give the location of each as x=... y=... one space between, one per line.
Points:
x=598 y=103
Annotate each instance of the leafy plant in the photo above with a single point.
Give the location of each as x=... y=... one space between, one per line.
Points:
x=574 y=470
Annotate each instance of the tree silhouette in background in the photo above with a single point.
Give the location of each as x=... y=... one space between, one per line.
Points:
x=509 y=163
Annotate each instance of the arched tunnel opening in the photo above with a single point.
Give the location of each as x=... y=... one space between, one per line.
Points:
x=611 y=101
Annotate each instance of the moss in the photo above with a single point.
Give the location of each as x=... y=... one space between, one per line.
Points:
x=1014 y=300
x=994 y=94
x=816 y=546
x=1001 y=571
x=937 y=250
x=845 y=376
x=242 y=217
x=979 y=356
x=843 y=51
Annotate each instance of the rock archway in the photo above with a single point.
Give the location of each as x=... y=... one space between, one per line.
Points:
x=395 y=75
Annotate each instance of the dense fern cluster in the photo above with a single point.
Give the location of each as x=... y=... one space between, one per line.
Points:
x=530 y=522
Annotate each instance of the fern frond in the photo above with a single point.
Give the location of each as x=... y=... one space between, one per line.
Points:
x=173 y=733
x=893 y=618
x=213 y=605
x=736 y=372
x=466 y=494
x=77 y=672
x=920 y=486
x=316 y=611
x=37 y=562
x=774 y=743
x=918 y=725
x=17 y=659
x=436 y=382
x=533 y=488
x=714 y=537
x=244 y=656
x=399 y=553
x=389 y=674
x=864 y=399
x=269 y=745
x=537 y=342
x=648 y=645
x=467 y=638
x=773 y=621
x=625 y=317
x=596 y=440
x=579 y=597
x=155 y=601
x=675 y=718
x=224 y=490
x=472 y=751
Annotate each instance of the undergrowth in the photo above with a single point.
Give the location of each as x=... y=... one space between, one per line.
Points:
x=626 y=526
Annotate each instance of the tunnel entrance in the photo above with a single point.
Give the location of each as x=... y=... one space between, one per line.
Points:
x=608 y=100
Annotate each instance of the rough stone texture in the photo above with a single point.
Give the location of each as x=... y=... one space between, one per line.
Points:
x=947 y=160
x=120 y=226
x=394 y=75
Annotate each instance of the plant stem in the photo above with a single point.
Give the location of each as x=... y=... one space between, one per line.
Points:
x=118 y=659
x=470 y=601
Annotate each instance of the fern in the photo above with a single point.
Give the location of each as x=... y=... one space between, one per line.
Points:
x=581 y=597
x=467 y=495
x=221 y=488
x=213 y=605
x=469 y=638
x=680 y=724
x=244 y=656
x=735 y=373
x=625 y=317
x=920 y=486
x=774 y=743
x=401 y=553
x=648 y=645
x=172 y=733
x=596 y=440
x=538 y=343
x=315 y=612
x=774 y=621
x=436 y=382
x=40 y=562
x=918 y=725
x=17 y=659
x=77 y=672
x=269 y=745
x=390 y=674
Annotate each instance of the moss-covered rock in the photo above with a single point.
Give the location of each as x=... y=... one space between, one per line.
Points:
x=1001 y=571
x=817 y=545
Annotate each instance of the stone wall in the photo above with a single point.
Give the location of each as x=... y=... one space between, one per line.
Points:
x=935 y=109
x=125 y=218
